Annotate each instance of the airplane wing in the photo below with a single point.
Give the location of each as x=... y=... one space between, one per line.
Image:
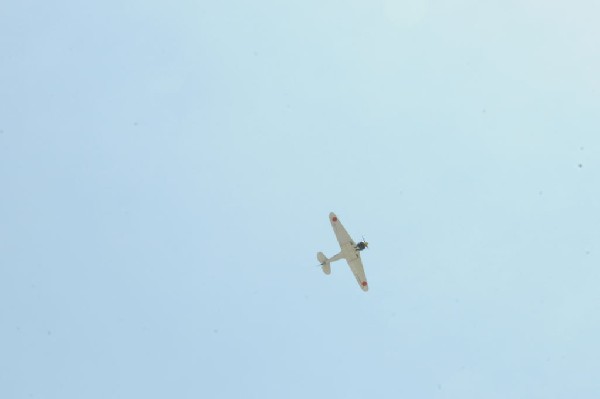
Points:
x=349 y=252
x=340 y=232
x=359 y=272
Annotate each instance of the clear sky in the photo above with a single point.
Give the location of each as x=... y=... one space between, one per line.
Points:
x=167 y=168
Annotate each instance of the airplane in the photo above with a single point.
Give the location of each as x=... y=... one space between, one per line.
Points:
x=350 y=251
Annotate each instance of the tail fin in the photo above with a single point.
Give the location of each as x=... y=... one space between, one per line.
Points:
x=325 y=265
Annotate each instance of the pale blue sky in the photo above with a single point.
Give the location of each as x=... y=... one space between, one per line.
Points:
x=166 y=172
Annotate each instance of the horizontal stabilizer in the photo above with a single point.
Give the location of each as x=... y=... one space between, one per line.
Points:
x=325 y=265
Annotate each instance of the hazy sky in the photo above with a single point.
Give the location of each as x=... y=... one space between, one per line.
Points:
x=167 y=168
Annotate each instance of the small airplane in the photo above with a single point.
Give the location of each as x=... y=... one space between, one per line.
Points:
x=350 y=251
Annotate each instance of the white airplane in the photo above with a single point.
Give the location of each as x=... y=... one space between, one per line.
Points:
x=350 y=251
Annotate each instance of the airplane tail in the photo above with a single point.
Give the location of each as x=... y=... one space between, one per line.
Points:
x=325 y=265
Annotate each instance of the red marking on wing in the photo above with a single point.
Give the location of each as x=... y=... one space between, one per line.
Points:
x=364 y=283
x=334 y=219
